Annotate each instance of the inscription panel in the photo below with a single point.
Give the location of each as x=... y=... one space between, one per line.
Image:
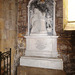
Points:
x=40 y=44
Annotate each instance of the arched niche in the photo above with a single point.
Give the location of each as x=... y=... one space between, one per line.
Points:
x=41 y=17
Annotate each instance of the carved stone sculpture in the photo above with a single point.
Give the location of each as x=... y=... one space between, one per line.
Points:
x=41 y=17
x=38 y=22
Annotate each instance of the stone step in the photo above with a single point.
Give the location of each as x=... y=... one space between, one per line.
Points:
x=50 y=63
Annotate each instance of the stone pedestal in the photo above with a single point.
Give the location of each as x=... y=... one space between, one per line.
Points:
x=43 y=46
x=41 y=51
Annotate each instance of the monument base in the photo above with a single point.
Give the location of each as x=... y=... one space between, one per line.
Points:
x=41 y=46
x=49 y=63
x=41 y=51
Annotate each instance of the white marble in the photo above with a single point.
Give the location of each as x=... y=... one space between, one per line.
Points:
x=38 y=22
x=41 y=41
x=41 y=51
x=45 y=46
x=49 y=63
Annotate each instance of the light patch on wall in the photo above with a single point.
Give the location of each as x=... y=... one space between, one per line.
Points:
x=71 y=10
x=69 y=15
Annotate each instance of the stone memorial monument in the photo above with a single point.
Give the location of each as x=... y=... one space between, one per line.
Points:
x=41 y=41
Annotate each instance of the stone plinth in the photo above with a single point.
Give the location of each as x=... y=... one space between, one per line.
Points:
x=41 y=51
x=44 y=46
x=49 y=63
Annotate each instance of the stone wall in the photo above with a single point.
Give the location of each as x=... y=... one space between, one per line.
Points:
x=65 y=41
x=1 y=24
x=8 y=32
x=13 y=28
x=22 y=24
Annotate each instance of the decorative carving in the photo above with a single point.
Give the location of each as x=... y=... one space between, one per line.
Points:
x=41 y=45
x=41 y=17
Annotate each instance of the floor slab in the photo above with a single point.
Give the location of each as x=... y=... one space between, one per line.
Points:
x=21 y=70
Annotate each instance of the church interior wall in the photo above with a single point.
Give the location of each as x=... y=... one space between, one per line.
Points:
x=13 y=26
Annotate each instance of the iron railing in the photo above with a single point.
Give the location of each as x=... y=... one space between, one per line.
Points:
x=5 y=63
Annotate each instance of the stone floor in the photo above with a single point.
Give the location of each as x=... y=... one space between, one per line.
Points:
x=38 y=71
